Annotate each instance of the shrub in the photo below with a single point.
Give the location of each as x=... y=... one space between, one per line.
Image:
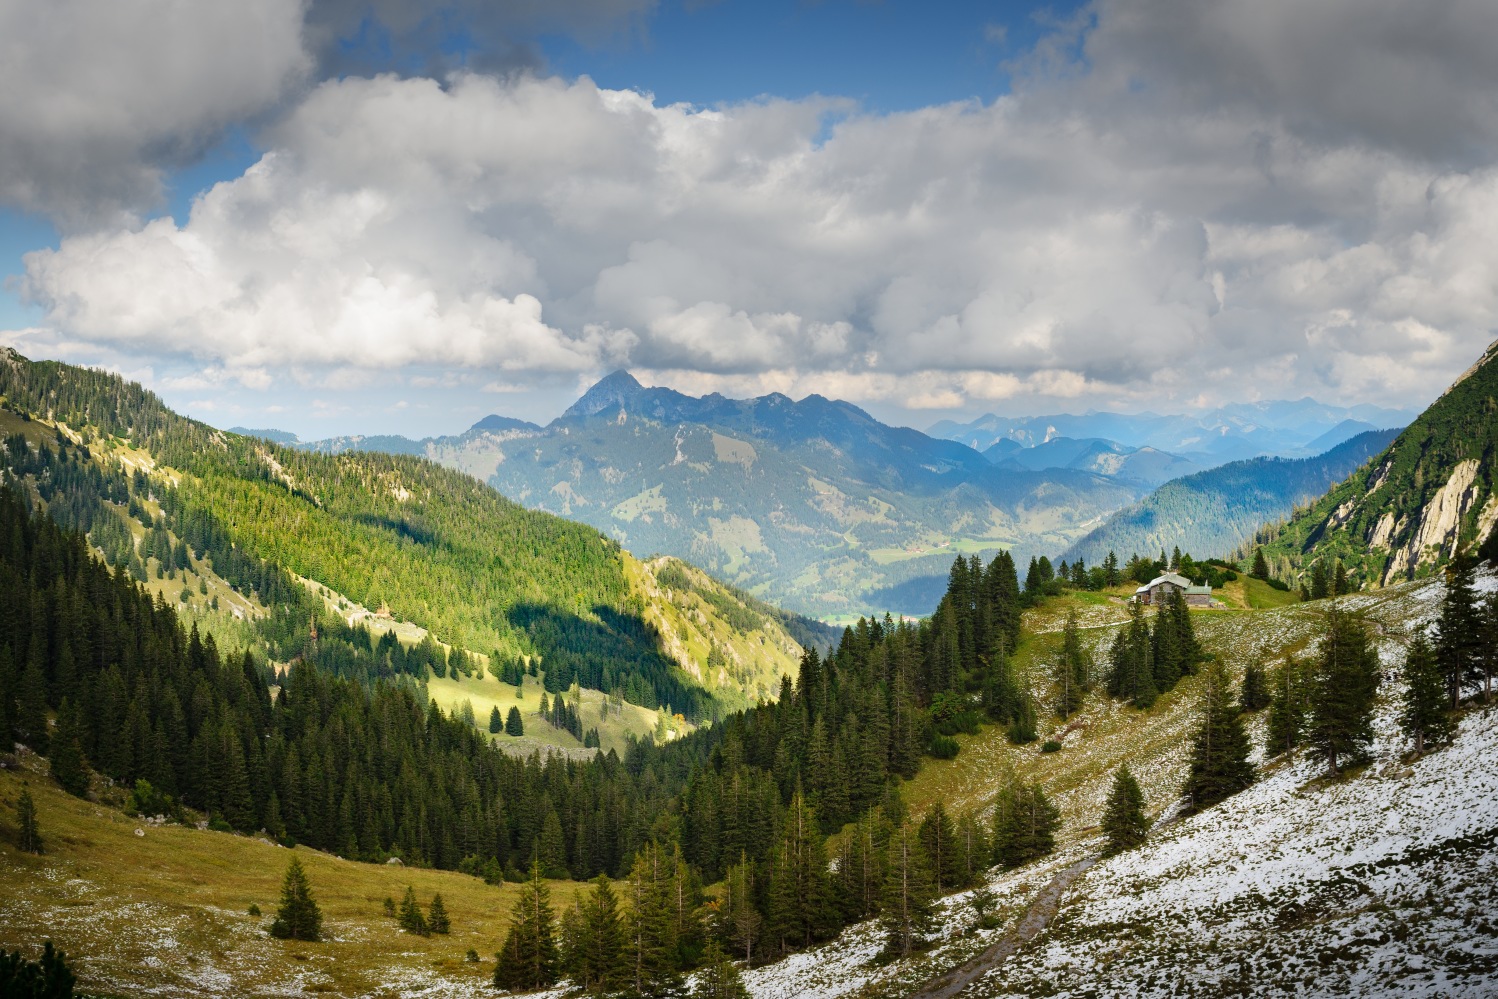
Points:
x=944 y=747
x=1050 y=746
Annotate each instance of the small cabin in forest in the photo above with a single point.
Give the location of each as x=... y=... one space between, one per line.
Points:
x=1158 y=590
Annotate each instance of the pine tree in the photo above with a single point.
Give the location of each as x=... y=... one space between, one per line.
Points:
x=1131 y=671
x=1344 y=686
x=1220 y=748
x=31 y=836
x=907 y=906
x=1025 y=824
x=1287 y=710
x=937 y=837
x=1459 y=641
x=1255 y=693
x=1489 y=642
x=802 y=909
x=529 y=959
x=551 y=849
x=1124 y=822
x=496 y=724
x=298 y=918
x=1261 y=567
x=597 y=960
x=719 y=978
x=411 y=919
x=1320 y=586
x=66 y=762
x=1340 y=583
x=741 y=917
x=437 y=919
x=654 y=967
x=31 y=715
x=513 y=723
x=46 y=978
x=1424 y=718
x=1073 y=669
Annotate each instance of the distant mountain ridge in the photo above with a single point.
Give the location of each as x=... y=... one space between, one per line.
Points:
x=1298 y=428
x=812 y=504
x=1408 y=511
x=1214 y=512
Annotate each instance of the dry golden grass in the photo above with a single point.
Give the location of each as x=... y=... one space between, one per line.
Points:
x=166 y=913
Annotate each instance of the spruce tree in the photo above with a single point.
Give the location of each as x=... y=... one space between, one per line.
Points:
x=907 y=906
x=496 y=723
x=1255 y=693
x=513 y=723
x=719 y=978
x=1489 y=642
x=1459 y=641
x=937 y=837
x=1025 y=824
x=597 y=960
x=741 y=917
x=298 y=918
x=31 y=714
x=1424 y=718
x=437 y=918
x=411 y=918
x=1320 y=586
x=529 y=960
x=1220 y=748
x=46 y=978
x=1124 y=822
x=1073 y=670
x=1344 y=686
x=31 y=835
x=1131 y=670
x=1261 y=567
x=66 y=762
x=1287 y=710
x=654 y=967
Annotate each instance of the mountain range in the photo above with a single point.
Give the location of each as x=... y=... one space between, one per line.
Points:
x=1293 y=429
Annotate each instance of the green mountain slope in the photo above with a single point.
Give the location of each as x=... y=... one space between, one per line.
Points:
x=1405 y=514
x=428 y=543
x=1214 y=512
x=811 y=504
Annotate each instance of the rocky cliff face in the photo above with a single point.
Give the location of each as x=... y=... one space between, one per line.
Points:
x=1408 y=511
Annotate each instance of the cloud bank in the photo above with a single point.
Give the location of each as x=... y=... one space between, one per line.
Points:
x=1237 y=200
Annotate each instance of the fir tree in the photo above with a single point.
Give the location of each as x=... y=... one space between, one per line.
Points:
x=1344 y=686
x=1424 y=718
x=529 y=959
x=1287 y=710
x=1255 y=693
x=741 y=917
x=1261 y=567
x=1025 y=824
x=496 y=723
x=1340 y=583
x=1320 y=586
x=597 y=960
x=654 y=968
x=411 y=918
x=513 y=723
x=298 y=918
x=1220 y=748
x=31 y=714
x=66 y=762
x=1131 y=671
x=719 y=978
x=31 y=836
x=437 y=919
x=1459 y=641
x=1022 y=727
x=46 y=978
x=907 y=907
x=1073 y=670
x=1124 y=822
x=937 y=837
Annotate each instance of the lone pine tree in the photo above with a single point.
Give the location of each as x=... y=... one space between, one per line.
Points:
x=1124 y=822
x=513 y=723
x=1344 y=686
x=437 y=918
x=298 y=918
x=1220 y=748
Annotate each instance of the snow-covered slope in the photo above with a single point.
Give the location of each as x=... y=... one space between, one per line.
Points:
x=1385 y=883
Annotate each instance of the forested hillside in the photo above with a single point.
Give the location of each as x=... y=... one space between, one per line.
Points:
x=428 y=544
x=1429 y=494
x=1216 y=511
x=810 y=504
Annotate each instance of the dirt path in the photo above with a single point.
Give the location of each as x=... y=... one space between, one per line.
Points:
x=1040 y=913
x=1035 y=919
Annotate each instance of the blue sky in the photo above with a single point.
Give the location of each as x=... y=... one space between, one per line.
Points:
x=424 y=212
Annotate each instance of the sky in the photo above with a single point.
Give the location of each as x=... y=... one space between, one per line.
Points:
x=383 y=216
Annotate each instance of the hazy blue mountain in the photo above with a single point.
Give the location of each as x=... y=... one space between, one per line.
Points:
x=1145 y=465
x=1215 y=511
x=285 y=437
x=1288 y=428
